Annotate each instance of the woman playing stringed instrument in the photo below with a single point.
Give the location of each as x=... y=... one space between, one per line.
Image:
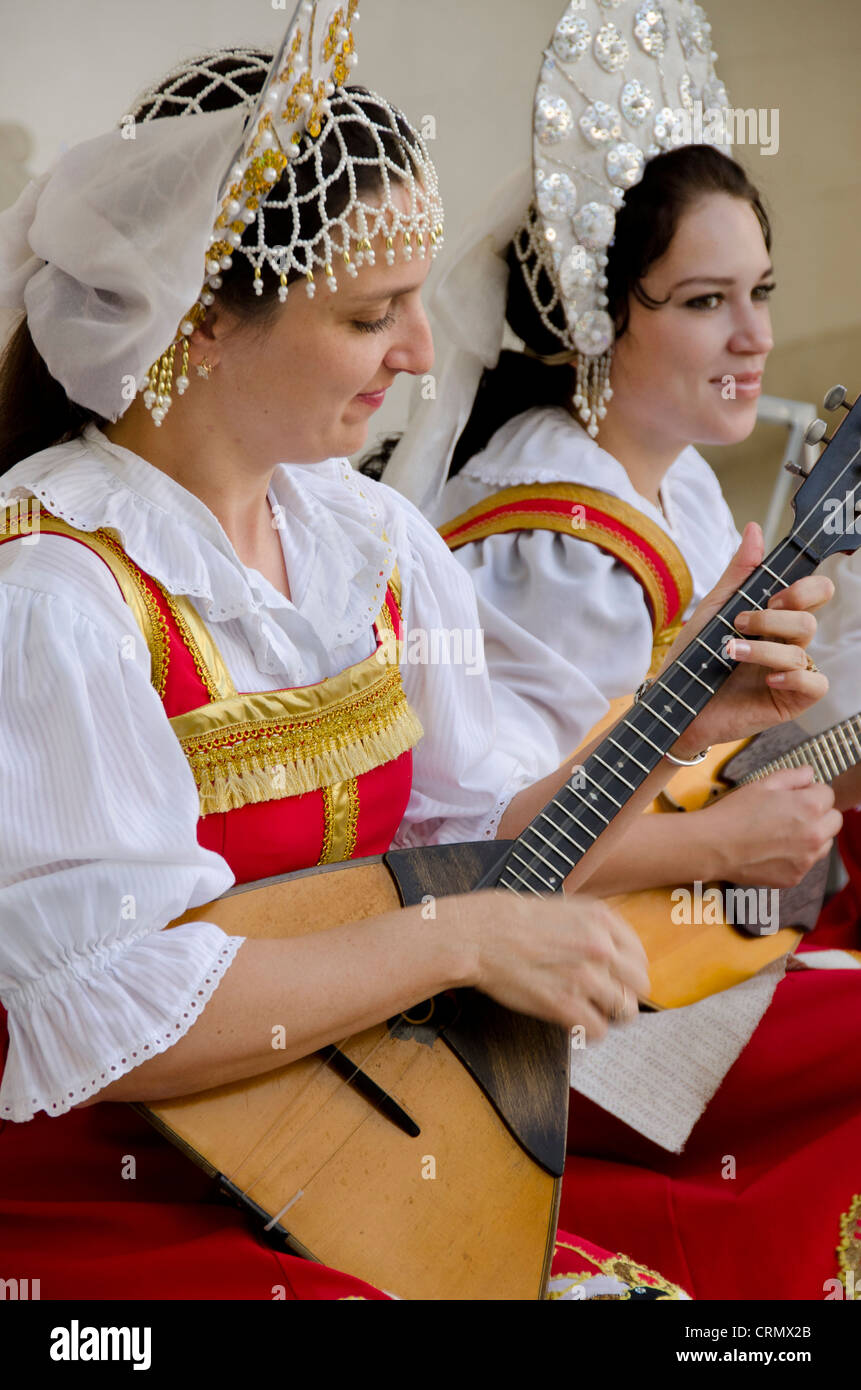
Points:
x=262 y=725
x=589 y=525
x=561 y=496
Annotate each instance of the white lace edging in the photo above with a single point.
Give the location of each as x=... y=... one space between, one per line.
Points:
x=126 y=1059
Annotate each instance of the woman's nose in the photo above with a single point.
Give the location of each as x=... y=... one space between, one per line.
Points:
x=414 y=350
x=752 y=331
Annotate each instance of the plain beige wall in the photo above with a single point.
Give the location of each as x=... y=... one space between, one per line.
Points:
x=69 y=70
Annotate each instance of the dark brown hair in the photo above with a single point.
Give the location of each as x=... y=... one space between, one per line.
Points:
x=35 y=411
x=645 y=226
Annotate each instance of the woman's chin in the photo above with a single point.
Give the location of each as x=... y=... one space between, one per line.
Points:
x=731 y=424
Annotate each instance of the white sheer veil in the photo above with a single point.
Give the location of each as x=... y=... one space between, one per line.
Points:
x=467 y=310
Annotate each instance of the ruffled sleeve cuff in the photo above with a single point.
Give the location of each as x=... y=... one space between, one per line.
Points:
x=71 y=1035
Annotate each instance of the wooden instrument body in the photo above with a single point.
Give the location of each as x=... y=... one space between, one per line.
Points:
x=463 y=1211
x=691 y=961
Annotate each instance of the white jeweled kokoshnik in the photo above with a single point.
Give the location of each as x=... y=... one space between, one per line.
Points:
x=615 y=86
x=301 y=107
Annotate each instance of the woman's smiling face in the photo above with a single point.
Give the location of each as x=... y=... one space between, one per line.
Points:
x=690 y=371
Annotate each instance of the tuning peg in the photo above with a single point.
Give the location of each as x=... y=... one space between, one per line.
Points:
x=836 y=397
x=816 y=433
x=802 y=469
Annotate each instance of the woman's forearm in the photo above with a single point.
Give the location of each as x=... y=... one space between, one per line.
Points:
x=524 y=807
x=659 y=850
x=319 y=988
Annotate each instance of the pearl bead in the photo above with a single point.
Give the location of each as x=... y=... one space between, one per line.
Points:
x=267 y=140
x=215 y=281
x=158 y=415
x=270 y=175
x=248 y=216
x=233 y=208
x=149 y=399
x=234 y=238
x=182 y=384
x=352 y=59
x=207 y=297
x=330 y=89
x=226 y=262
x=186 y=328
x=305 y=100
x=212 y=267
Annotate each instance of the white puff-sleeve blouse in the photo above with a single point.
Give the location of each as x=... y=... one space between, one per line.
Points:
x=567 y=628
x=98 y=806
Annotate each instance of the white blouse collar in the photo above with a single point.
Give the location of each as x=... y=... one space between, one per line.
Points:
x=338 y=559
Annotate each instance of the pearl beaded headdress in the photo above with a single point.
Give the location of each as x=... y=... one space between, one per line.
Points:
x=621 y=82
x=119 y=248
x=302 y=108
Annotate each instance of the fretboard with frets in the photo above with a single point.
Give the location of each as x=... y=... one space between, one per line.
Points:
x=833 y=751
x=555 y=841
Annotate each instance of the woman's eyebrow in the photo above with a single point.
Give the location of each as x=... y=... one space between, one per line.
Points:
x=716 y=279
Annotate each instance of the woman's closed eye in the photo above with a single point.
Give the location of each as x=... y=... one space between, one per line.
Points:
x=374 y=325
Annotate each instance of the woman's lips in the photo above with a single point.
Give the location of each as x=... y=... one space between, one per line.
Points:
x=374 y=399
x=745 y=384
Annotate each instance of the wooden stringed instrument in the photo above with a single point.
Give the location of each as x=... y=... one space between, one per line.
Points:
x=689 y=961
x=425 y=1154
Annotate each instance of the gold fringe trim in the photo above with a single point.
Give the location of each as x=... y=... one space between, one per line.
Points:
x=268 y=766
x=849 y=1249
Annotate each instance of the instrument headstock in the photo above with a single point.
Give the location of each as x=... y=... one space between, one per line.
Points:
x=827 y=505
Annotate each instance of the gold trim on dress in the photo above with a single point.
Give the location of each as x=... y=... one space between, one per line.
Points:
x=341 y=818
x=208 y=661
x=849 y=1249
x=145 y=610
x=261 y=746
x=475 y=524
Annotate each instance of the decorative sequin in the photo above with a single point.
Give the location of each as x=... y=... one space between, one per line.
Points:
x=609 y=4
x=611 y=50
x=601 y=123
x=625 y=164
x=695 y=32
x=594 y=225
x=553 y=120
x=715 y=95
x=556 y=196
x=571 y=38
x=651 y=28
x=668 y=131
x=593 y=332
x=637 y=102
x=577 y=276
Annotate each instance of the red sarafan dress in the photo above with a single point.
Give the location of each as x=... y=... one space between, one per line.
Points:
x=94 y=1203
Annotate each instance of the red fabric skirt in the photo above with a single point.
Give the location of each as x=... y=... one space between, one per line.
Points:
x=96 y=1205
x=768 y=1186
